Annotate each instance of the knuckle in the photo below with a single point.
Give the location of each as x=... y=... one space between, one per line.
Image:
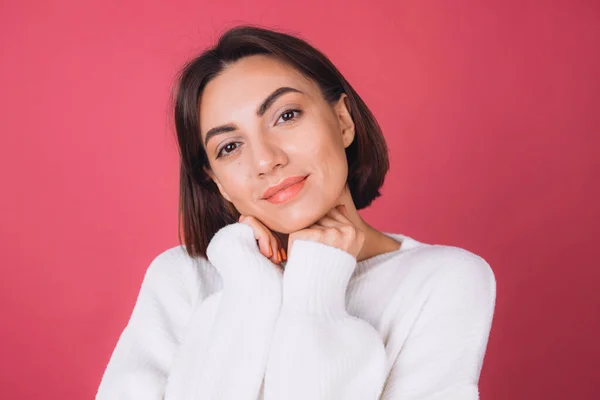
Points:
x=348 y=230
x=320 y=235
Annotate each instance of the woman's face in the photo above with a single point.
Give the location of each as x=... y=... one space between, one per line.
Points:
x=277 y=126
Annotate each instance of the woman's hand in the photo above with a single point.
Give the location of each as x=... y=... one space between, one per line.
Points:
x=267 y=242
x=335 y=230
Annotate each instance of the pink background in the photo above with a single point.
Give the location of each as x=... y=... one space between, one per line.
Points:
x=491 y=111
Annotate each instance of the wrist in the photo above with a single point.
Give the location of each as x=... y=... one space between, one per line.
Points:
x=316 y=279
x=233 y=251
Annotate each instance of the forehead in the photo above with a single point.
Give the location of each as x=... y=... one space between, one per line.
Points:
x=238 y=90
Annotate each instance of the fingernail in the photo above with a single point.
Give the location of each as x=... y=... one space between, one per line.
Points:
x=278 y=256
x=283 y=253
x=270 y=251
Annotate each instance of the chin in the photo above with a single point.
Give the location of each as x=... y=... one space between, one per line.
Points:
x=300 y=214
x=287 y=227
x=293 y=222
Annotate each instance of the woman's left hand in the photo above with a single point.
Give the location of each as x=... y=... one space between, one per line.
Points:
x=267 y=242
x=335 y=230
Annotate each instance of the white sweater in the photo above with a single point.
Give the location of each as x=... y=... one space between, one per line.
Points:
x=409 y=324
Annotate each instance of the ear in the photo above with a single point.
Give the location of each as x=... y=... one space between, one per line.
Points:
x=342 y=112
x=212 y=176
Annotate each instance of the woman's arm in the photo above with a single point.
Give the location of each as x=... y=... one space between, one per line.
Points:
x=319 y=351
x=233 y=365
x=139 y=365
x=442 y=357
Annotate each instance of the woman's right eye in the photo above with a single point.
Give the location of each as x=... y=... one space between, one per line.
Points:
x=227 y=150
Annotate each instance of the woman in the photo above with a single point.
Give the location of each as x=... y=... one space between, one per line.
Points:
x=282 y=291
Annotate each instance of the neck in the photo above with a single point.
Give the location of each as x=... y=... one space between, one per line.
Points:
x=376 y=242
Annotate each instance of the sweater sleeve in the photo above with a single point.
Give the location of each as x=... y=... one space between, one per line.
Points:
x=232 y=368
x=139 y=365
x=319 y=351
x=443 y=354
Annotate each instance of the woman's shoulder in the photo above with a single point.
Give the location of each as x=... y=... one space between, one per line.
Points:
x=425 y=263
x=449 y=259
x=449 y=266
x=436 y=278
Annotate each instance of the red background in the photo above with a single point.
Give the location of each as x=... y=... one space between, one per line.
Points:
x=491 y=111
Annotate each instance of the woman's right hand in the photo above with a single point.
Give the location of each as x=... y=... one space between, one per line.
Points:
x=268 y=244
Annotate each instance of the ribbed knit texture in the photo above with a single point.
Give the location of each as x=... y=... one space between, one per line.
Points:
x=410 y=324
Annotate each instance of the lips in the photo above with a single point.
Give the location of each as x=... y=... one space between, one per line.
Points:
x=282 y=185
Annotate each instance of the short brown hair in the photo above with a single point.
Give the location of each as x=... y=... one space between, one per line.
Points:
x=202 y=209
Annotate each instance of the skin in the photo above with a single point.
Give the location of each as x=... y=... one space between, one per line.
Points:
x=263 y=150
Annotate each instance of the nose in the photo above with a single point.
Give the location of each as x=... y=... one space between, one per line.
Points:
x=268 y=155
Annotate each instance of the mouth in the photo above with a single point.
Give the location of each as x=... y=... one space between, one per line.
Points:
x=285 y=191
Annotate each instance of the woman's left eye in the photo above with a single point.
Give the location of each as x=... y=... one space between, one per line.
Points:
x=288 y=116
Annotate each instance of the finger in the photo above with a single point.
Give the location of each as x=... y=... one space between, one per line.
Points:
x=329 y=222
x=261 y=235
x=276 y=246
x=313 y=233
x=281 y=247
x=336 y=214
x=344 y=210
x=272 y=248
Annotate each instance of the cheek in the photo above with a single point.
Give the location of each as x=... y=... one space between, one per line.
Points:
x=329 y=155
x=319 y=140
x=237 y=186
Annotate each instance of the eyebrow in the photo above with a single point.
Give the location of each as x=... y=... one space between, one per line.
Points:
x=262 y=109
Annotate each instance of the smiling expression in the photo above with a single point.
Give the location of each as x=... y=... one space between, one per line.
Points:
x=263 y=122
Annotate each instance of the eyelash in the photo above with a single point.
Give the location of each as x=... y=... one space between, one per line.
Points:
x=220 y=153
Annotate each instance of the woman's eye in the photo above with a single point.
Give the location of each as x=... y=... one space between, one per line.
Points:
x=288 y=115
x=228 y=149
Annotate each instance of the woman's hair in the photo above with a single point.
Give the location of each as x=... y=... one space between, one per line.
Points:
x=202 y=208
